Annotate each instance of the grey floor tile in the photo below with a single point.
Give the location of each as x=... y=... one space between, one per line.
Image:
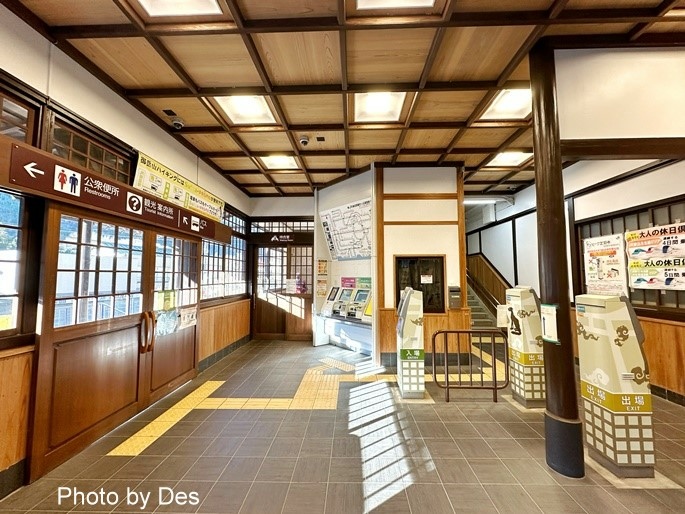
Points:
x=491 y=471
x=428 y=498
x=311 y=469
x=553 y=499
x=345 y=469
x=305 y=499
x=276 y=470
x=511 y=499
x=225 y=498
x=292 y=429
x=443 y=448
x=455 y=471
x=595 y=499
x=316 y=447
x=138 y=467
x=264 y=498
x=462 y=430
x=241 y=469
x=345 y=498
x=193 y=446
x=254 y=447
x=386 y=499
x=475 y=449
x=470 y=498
x=206 y=468
x=103 y=468
x=346 y=447
x=173 y=467
x=285 y=447
x=223 y=447
x=508 y=449
x=529 y=472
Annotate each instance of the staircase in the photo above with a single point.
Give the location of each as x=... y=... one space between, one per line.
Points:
x=481 y=317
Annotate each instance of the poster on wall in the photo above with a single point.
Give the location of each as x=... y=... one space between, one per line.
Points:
x=321 y=287
x=158 y=180
x=605 y=265
x=656 y=257
x=347 y=230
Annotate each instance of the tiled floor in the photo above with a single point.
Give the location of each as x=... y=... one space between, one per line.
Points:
x=339 y=442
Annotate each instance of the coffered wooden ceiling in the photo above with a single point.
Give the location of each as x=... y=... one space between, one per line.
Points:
x=309 y=57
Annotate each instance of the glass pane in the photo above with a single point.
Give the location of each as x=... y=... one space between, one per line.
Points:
x=136 y=261
x=122 y=283
x=109 y=173
x=106 y=258
x=122 y=260
x=8 y=312
x=644 y=220
x=678 y=212
x=159 y=281
x=107 y=235
x=661 y=216
x=86 y=284
x=669 y=299
x=65 y=311
x=10 y=208
x=89 y=256
x=136 y=304
x=60 y=152
x=89 y=232
x=95 y=166
x=96 y=152
x=9 y=277
x=62 y=135
x=79 y=159
x=66 y=258
x=65 y=283
x=105 y=307
x=80 y=144
x=68 y=228
x=124 y=240
x=86 y=310
x=135 y=282
x=138 y=240
x=105 y=283
x=120 y=305
x=110 y=160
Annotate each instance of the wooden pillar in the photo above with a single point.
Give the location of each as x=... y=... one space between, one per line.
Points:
x=563 y=428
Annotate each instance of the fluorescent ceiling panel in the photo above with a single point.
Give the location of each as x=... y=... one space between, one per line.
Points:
x=393 y=4
x=510 y=104
x=246 y=110
x=280 y=162
x=180 y=7
x=509 y=159
x=378 y=106
x=479 y=201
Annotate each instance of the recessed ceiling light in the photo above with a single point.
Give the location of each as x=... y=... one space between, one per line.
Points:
x=378 y=107
x=180 y=7
x=510 y=104
x=246 y=110
x=509 y=159
x=280 y=162
x=394 y=4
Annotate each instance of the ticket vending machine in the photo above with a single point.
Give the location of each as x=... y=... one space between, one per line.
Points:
x=327 y=307
x=340 y=305
x=355 y=308
x=614 y=381
x=526 y=364
x=410 y=352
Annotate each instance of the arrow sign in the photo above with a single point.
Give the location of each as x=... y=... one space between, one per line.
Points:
x=185 y=220
x=31 y=170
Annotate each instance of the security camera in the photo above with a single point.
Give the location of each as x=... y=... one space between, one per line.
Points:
x=178 y=123
x=304 y=140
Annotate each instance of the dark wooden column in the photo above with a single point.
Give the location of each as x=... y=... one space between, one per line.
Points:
x=563 y=428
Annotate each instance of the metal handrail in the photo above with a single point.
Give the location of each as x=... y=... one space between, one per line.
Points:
x=490 y=333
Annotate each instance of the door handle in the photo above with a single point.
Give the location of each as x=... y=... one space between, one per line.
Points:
x=143 y=332
x=152 y=337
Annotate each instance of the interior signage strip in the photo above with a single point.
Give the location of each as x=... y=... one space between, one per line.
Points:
x=36 y=171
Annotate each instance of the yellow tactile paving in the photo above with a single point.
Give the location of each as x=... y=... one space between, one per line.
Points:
x=317 y=390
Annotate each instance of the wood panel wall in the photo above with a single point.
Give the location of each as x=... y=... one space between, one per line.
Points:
x=15 y=391
x=455 y=319
x=664 y=349
x=222 y=325
x=481 y=271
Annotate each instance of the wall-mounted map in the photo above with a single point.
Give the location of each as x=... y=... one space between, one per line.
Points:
x=348 y=230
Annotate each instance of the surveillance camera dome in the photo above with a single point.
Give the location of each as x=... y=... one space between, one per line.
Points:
x=178 y=123
x=304 y=140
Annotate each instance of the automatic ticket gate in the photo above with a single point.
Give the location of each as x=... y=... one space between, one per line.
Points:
x=526 y=363
x=410 y=351
x=614 y=380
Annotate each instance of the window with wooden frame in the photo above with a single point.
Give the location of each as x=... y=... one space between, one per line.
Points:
x=224 y=268
x=282 y=226
x=17 y=119
x=425 y=274
x=99 y=271
x=85 y=151
x=175 y=270
x=12 y=247
x=664 y=213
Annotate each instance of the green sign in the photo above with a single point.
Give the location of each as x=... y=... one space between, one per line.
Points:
x=411 y=355
x=364 y=282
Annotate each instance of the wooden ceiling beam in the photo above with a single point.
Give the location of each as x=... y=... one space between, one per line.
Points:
x=641 y=28
x=636 y=148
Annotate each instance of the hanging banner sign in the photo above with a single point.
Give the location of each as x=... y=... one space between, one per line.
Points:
x=656 y=257
x=38 y=172
x=158 y=180
x=605 y=265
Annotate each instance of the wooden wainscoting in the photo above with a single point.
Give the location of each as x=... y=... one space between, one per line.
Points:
x=664 y=349
x=222 y=325
x=455 y=319
x=15 y=393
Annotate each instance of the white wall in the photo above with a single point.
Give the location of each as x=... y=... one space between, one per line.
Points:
x=473 y=243
x=32 y=59
x=527 y=251
x=498 y=247
x=621 y=93
x=291 y=206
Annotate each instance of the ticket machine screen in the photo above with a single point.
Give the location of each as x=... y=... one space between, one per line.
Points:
x=333 y=294
x=361 y=296
x=345 y=295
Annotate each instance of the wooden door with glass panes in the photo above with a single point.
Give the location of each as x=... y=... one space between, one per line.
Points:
x=283 y=287
x=101 y=356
